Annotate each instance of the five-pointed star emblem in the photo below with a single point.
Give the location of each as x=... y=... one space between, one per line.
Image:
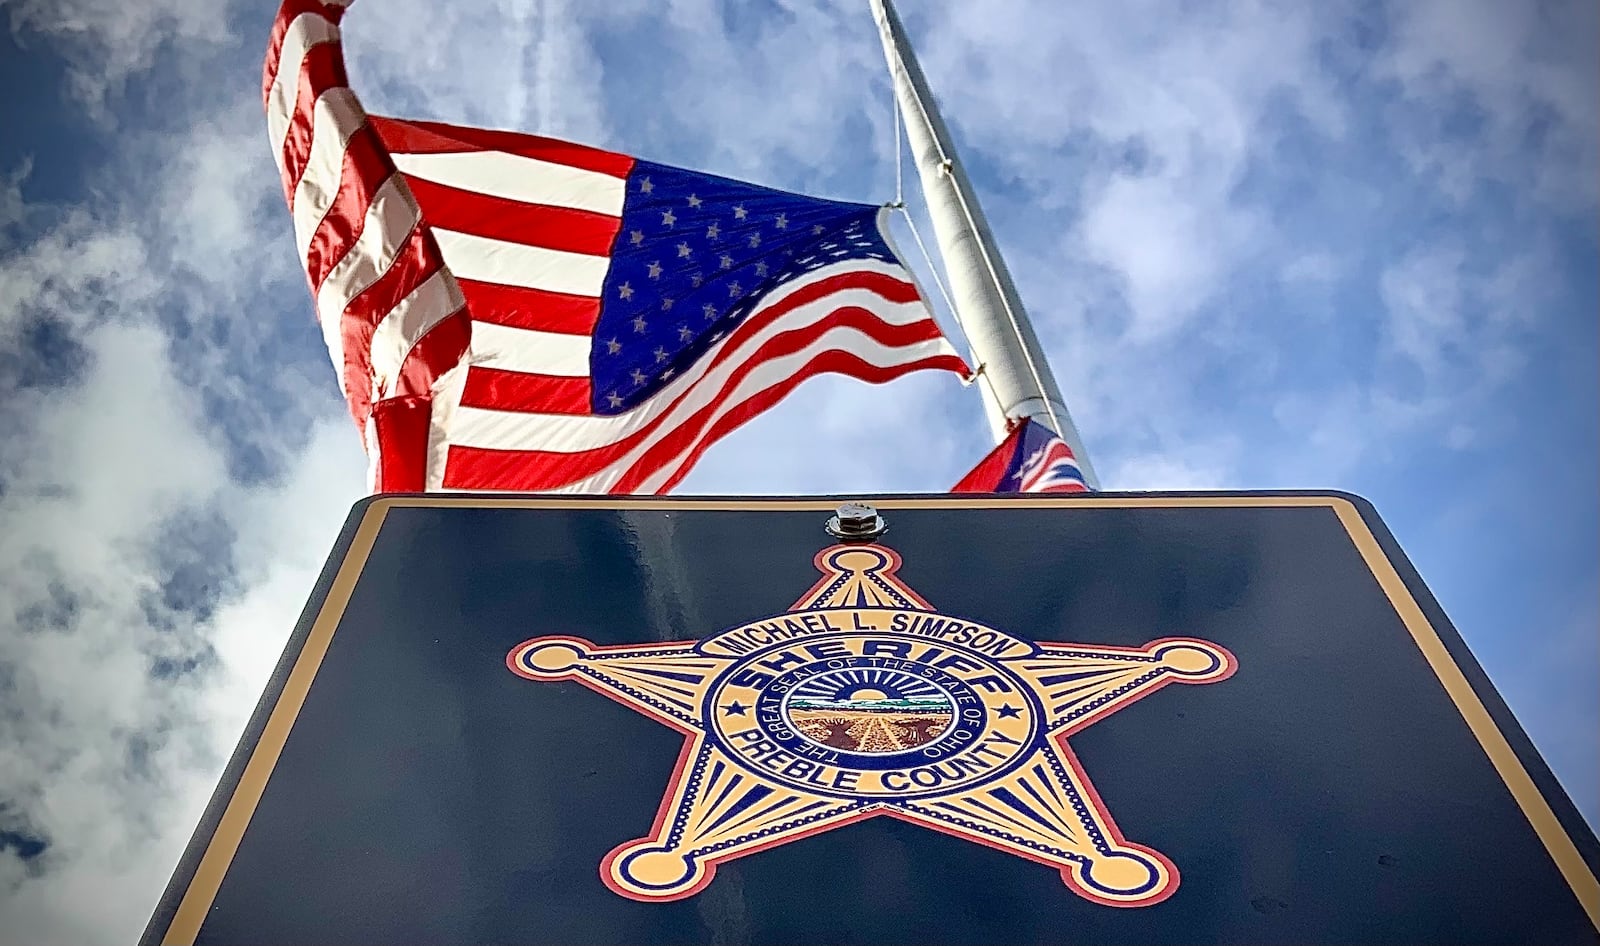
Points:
x=862 y=701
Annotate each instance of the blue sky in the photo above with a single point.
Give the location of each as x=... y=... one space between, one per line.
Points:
x=1348 y=245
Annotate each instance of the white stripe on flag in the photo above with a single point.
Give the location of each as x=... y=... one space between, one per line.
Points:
x=519 y=349
x=307 y=30
x=337 y=116
x=515 y=177
x=516 y=264
x=388 y=221
x=410 y=319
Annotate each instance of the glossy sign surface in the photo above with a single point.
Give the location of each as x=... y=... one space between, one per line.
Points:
x=665 y=721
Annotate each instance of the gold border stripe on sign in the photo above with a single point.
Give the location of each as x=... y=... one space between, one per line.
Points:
x=207 y=880
x=1512 y=772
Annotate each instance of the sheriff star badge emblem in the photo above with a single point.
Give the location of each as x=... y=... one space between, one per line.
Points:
x=862 y=701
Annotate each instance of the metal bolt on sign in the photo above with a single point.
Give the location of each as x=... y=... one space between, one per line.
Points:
x=856 y=522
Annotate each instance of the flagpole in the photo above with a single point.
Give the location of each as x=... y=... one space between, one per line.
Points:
x=1015 y=376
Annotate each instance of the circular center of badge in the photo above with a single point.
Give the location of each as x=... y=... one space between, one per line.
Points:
x=852 y=714
x=870 y=711
x=872 y=715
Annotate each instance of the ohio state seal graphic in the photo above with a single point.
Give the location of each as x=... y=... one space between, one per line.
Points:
x=862 y=701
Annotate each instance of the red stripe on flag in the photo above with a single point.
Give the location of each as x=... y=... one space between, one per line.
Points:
x=366 y=166
x=441 y=349
x=323 y=70
x=984 y=477
x=662 y=451
x=403 y=426
x=287 y=13
x=479 y=468
x=829 y=362
x=501 y=390
x=1066 y=488
x=888 y=287
x=417 y=260
x=536 y=309
x=413 y=137
x=553 y=228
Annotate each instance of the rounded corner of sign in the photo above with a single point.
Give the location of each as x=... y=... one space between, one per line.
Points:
x=377 y=503
x=1357 y=503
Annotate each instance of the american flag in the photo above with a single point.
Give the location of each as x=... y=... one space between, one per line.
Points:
x=1032 y=459
x=510 y=312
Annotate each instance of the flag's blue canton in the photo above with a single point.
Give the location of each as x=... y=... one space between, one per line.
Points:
x=694 y=255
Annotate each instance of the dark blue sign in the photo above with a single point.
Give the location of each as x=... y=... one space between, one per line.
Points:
x=1233 y=718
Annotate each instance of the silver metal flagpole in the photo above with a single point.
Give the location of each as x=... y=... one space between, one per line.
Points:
x=1014 y=374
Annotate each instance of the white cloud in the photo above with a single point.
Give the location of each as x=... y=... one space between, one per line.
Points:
x=1206 y=469
x=11 y=203
x=1457 y=326
x=109 y=762
x=1170 y=249
x=1143 y=120
x=128 y=691
x=146 y=589
x=109 y=466
x=1424 y=297
x=107 y=41
x=520 y=64
x=216 y=198
x=1454 y=336
x=1317 y=267
x=64 y=274
x=1499 y=92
